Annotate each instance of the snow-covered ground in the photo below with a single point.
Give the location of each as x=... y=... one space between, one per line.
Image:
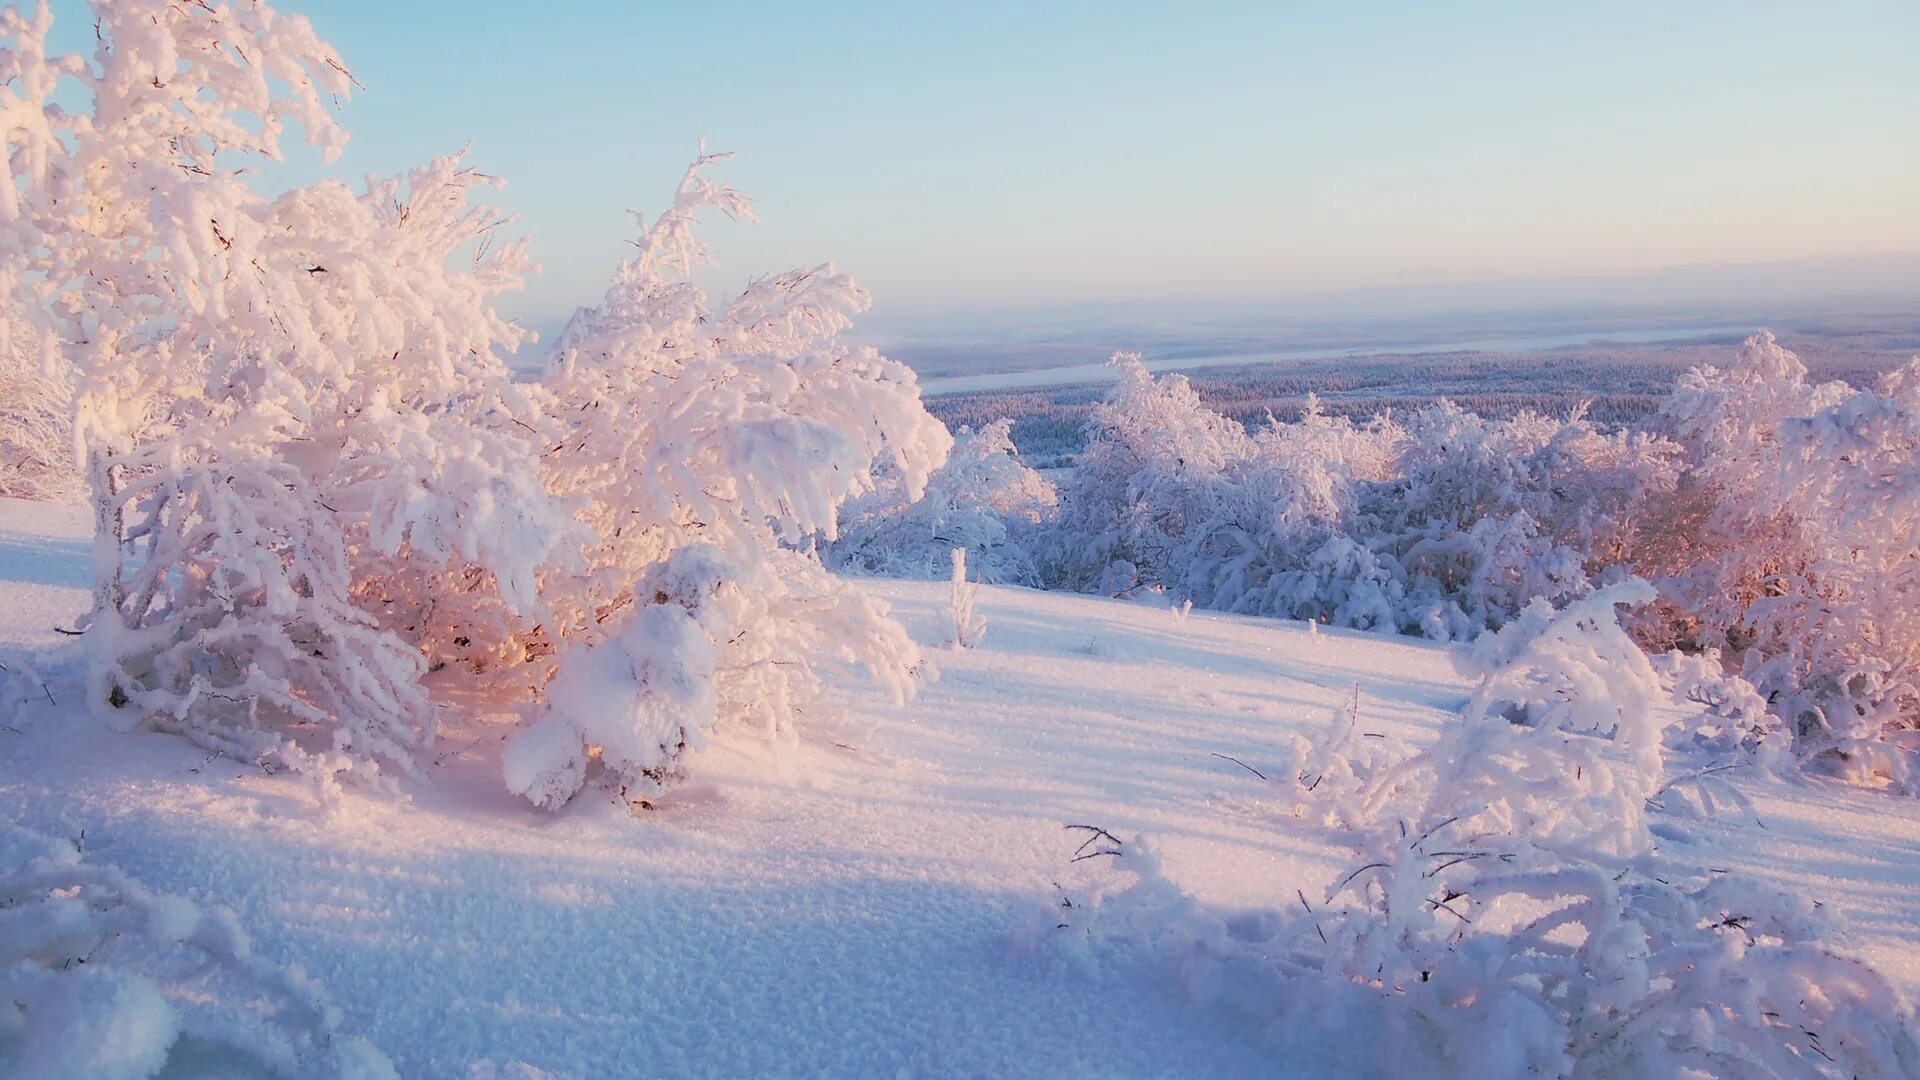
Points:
x=863 y=903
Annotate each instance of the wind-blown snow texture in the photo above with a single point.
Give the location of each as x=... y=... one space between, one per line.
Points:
x=855 y=904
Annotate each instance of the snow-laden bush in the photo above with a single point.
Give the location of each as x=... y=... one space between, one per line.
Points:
x=36 y=417
x=1729 y=721
x=1780 y=520
x=314 y=479
x=1802 y=562
x=983 y=499
x=1486 y=516
x=708 y=449
x=1445 y=525
x=101 y=978
x=1508 y=914
x=1283 y=534
x=301 y=437
x=1154 y=458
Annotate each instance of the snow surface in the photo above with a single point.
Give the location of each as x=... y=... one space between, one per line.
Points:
x=853 y=905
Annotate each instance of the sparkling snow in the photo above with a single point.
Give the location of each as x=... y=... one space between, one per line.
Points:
x=853 y=905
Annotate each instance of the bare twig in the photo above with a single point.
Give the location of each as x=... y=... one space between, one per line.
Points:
x=1316 y=921
x=1240 y=763
x=1094 y=835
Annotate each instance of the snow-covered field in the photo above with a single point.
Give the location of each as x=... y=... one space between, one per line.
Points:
x=867 y=902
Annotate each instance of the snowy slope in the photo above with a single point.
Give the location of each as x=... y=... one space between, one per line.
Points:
x=858 y=904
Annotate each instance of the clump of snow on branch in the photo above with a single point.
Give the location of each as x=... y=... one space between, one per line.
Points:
x=708 y=450
x=100 y=977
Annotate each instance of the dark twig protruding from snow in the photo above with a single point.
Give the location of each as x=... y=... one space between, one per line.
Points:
x=1240 y=763
x=1302 y=894
x=1094 y=835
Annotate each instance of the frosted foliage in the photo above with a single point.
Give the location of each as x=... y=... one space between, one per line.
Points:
x=1508 y=914
x=1145 y=479
x=1779 y=520
x=707 y=450
x=298 y=426
x=314 y=479
x=1730 y=723
x=964 y=628
x=1807 y=567
x=983 y=499
x=1443 y=525
x=101 y=978
x=36 y=418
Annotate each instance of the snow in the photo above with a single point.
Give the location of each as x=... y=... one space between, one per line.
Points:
x=863 y=902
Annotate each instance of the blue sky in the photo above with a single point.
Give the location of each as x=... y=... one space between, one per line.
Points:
x=961 y=155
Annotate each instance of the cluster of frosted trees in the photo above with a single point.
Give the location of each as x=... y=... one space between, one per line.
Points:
x=1779 y=519
x=314 y=481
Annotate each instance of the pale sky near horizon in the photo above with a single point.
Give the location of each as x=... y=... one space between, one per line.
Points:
x=963 y=155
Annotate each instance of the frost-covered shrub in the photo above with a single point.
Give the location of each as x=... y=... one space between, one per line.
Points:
x=1508 y=915
x=314 y=478
x=101 y=978
x=36 y=417
x=1729 y=721
x=1804 y=561
x=1780 y=520
x=707 y=450
x=1284 y=534
x=304 y=449
x=1486 y=516
x=1154 y=459
x=983 y=499
x=1444 y=526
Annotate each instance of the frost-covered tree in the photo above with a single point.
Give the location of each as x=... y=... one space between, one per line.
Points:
x=984 y=499
x=1485 y=516
x=36 y=417
x=1284 y=534
x=314 y=478
x=302 y=443
x=1444 y=525
x=1154 y=453
x=708 y=450
x=1798 y=551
